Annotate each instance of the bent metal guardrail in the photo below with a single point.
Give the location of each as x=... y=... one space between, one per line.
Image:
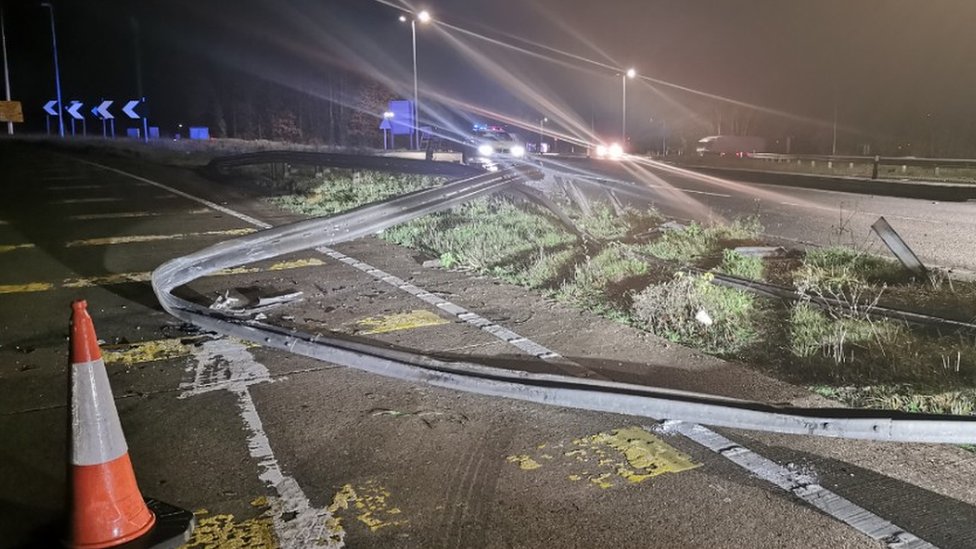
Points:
x=220 y=164
x=560 y=390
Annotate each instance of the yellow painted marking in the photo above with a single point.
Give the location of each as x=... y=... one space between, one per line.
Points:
x=282 y=266
x=87 y=200
x=124 y=278
x=399 y=321
x=525 y=462
x=224 y=531
x=25 y=288
x=12 y=247
x=106 y=280
x=133 y=239
x=125 y=215
x=145 y=351
x=371 y=504
x=631 y=454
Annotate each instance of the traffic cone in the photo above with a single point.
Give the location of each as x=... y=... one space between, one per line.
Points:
x=106 y=507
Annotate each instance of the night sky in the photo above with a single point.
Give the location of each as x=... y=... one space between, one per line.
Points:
x=896 y=70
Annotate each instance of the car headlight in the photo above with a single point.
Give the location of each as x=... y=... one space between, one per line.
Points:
x=486 y=150
x=518 y=151
x=601 y=151
x=616 y=151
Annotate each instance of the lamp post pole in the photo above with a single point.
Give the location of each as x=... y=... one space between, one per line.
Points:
x=6 y=70
x=416 y=92
x=630 y=73
x=423 y=16
x=57 y=69
x=542 y=134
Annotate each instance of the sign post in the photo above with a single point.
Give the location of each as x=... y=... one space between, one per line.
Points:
x=130 y=110
x=72 y=110
x=108 y=121
x=10 y=112
x=51 y=111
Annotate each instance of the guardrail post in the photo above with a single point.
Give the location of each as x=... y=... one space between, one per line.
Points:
x=874 y=170
x=937 y=171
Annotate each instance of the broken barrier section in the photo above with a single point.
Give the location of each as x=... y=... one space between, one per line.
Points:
x=560 y=390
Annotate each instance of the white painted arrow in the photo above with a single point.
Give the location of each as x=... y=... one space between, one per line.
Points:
x=129 y=109
x=73 y=110
x=102 y=110
x=49 y=107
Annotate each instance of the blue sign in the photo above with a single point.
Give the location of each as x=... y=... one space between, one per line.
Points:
x=199 y=132
x=402 y=121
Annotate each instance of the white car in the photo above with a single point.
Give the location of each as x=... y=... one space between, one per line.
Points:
x=491 y=144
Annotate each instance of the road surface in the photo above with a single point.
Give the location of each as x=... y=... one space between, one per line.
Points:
x=279 y=450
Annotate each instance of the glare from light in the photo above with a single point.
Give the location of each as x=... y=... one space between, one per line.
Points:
x=518 y=151
x=631 y=73
x=615 y=151
x=486 y=150
x=601 y=151
x=423 y=16
x=388 y=114
x=403 y=18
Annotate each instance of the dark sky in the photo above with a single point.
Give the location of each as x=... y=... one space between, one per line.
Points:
x=892 y=66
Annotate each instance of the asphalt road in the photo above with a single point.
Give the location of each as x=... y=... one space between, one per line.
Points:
x=271 y=449
x=941 y=233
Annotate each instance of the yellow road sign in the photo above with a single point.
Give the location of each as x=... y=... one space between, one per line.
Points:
x=11 y=111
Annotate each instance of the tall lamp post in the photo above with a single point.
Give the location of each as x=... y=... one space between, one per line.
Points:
x=631 y=73
x=542 y=135
x=6 y=71
x=424 y=17
x=57 y=70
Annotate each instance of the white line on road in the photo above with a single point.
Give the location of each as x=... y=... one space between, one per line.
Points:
x=226 y=364
x=800 y=485
x=703 y=435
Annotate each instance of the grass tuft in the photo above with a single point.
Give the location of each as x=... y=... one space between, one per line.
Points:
x=742 y=266
x=691 y=310
x=695 y=241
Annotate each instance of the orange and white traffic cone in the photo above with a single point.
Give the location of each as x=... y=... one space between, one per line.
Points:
x=106 y=507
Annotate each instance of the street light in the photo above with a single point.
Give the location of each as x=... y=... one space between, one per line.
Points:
x=631 y=73
x=424 y=17
x=542 y=134
x=6 y=71
x=57 y=70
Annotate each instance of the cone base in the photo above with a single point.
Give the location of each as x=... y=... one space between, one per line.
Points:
x=108 y=509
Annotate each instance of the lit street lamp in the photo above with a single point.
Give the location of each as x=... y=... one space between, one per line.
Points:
x=631 y=73
x=57 y=70
x=424 y=17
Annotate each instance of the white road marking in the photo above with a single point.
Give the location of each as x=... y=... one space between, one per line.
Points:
x=800 y=485
x=841 y=509
x=226 y=364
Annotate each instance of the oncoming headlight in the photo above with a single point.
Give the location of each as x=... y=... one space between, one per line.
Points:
x=615 y=151
x=486 y=150
x=601 y=151
x=518 y=151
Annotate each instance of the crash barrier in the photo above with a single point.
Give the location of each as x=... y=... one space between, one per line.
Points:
x=879 y=160
x=219 y=166
x=106 y=507
x=560 y=390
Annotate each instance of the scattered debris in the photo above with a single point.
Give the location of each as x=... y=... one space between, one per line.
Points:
x=671 y=226
x=898 y=246
x=704 y=318
x=241 y=307
x=761 y=251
